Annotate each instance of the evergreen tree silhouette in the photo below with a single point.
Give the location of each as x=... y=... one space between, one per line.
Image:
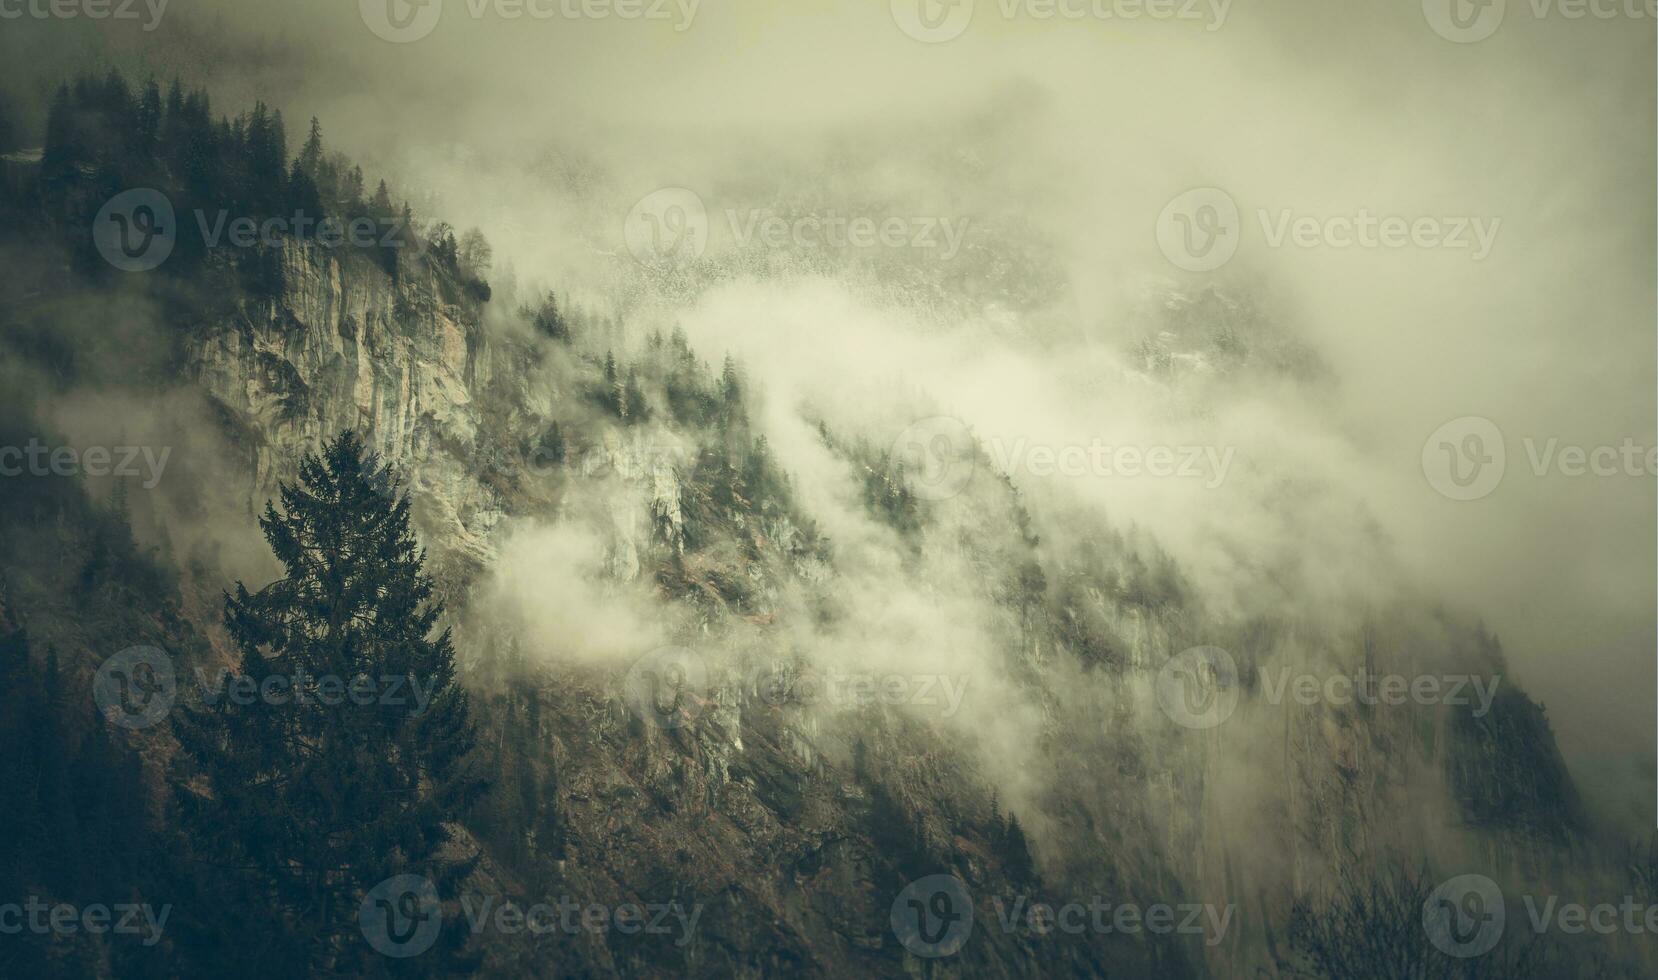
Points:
x=307 y=803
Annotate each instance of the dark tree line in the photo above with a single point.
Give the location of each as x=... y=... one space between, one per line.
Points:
x=103 y=137
x=277 y=817
x=73 y=828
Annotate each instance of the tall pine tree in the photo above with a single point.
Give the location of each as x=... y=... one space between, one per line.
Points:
x=308 y=799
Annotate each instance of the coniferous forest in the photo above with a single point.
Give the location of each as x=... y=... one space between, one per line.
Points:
x=939 y=491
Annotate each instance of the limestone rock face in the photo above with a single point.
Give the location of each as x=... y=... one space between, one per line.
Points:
x=343 y=347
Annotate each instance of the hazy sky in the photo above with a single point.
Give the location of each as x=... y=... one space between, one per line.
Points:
x=1077 y=132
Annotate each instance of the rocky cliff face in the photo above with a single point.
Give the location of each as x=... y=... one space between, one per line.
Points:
x=345 y=348
x=795 y=828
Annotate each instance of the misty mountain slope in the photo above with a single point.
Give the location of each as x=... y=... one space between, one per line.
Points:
x=731 y=803
x=591 y=497
x=710 y=537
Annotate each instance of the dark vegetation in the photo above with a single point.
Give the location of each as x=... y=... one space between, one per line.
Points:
x=264 y=828
x=104 y=137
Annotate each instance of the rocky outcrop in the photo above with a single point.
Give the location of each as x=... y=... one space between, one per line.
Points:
x=344 y=347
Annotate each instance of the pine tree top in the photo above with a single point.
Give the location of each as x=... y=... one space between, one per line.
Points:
x=352 y=564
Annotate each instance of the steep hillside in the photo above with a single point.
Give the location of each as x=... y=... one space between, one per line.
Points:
x=773 y=787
